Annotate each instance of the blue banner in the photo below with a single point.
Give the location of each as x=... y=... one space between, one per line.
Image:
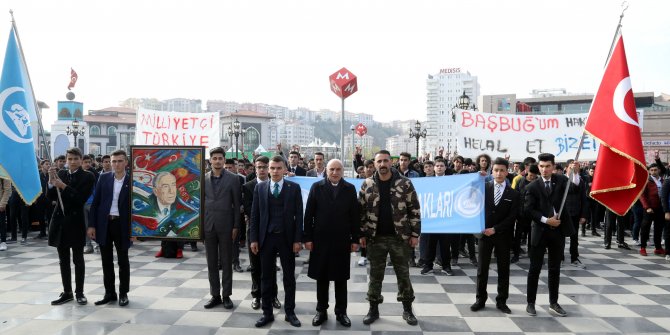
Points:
x=17 y=151
x=449 y=204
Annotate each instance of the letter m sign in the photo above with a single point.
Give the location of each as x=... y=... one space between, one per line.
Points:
x=343 y=83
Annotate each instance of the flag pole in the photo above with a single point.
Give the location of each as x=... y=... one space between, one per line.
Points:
x=581 y=141
x=38 y=111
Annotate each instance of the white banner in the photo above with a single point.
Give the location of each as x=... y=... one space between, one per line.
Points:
x=521 y=136
x=176 y=128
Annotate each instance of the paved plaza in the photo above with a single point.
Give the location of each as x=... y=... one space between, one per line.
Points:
x=618 y=292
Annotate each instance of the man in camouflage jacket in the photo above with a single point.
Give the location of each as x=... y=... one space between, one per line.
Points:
x=390 y=225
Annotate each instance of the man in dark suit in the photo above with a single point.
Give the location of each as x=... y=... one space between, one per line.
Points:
x=109 y=226
x=501 y=206
x=294 y=168
x=261 y=164
x=319 y=169
x=542 y=203
x=222 y=223
x=68 y=229
x=276 y=227
x=332 y=226
x=231 y=166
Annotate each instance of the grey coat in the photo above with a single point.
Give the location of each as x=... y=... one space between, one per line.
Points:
x=222 y=205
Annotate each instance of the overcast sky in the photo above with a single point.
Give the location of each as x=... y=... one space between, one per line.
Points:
x=282 y=52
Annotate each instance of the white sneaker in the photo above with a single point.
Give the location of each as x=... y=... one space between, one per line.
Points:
x=363 y=261
x=578 y=264
x=637 y=242
x=3 y=246
x=667 y=257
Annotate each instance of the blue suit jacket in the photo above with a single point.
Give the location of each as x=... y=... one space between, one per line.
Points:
x=260 y=217
x=102 y=203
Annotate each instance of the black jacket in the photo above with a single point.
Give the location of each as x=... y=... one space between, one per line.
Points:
x=502 y=216
x=69 y=229
x=539 y=203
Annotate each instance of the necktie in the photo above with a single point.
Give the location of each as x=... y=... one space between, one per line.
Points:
x=547 y=186
x=275 y=191
x=497 y=195
x=165 y=211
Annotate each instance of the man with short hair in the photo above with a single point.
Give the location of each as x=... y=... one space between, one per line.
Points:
x=294 y=168
x=577 y=208
x=522 y=227
x=428 y=169
x=319 y=169
x=60 y=162
x=109 y=226
x=106 y=164
x=403 y=166
x=222 y=203
x=231 y=166
x=501 y=209
x=653 y=212
x=332 y=226
x=276 y=227
x=542 y=202
x=67 y=231
x=389 y=228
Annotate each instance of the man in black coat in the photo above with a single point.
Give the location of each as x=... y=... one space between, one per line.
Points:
x=332 y=226
x=548 y=232
x=501 y=206
x=68 y=229
x=294 y=168
x=576 y=204
x=276 y=227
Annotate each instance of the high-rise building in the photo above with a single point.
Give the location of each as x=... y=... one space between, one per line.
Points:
x=442 y=92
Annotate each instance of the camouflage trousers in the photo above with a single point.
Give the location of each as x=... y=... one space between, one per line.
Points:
x=399 y=250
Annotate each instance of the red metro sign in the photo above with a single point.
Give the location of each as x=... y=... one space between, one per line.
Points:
x=343 y=83
x=361 y=130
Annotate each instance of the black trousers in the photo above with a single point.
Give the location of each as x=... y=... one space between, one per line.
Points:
x=574 y=240
x=433 y=241
x=657 y=217
x=79 y=269
x=107 y=255
x=454 y=245
x=611 y=220
x=322 y=287
x=521 y=228
x=469 y=240
x=552 y=241
x=487 y=245
x=255 y=262
x=273 y=244
x=19 y=216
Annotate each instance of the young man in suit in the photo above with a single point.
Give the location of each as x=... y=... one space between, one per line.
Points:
x=294 y=168
x=109 y=226
x=332 y=226
x=542 y=203
x=276 y=227
x=67 y=230
x=261 y=164
x=223 y=199
x=501 y=208
x=319 y=169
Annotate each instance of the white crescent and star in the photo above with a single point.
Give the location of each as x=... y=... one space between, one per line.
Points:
x=618 y=101
x=3 y=126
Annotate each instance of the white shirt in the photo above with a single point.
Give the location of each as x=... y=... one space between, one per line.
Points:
x=118 y=185
x=657 y=181
x=272 y=185
x=544 y=181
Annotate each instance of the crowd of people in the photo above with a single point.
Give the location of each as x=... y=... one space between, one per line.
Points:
x=249 y=204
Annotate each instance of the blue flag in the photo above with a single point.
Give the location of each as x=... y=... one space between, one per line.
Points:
x=17 y=151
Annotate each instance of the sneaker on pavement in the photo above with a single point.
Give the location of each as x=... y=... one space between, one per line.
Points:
x=667 y=257
x=24 y=241
x=578 y=264
x=3 y=246
x=637 y=242
x=557 y=310
x=362 y=261
x=643 y=251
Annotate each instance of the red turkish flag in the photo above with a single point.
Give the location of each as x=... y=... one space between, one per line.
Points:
x=621 y=174
x=73 y=79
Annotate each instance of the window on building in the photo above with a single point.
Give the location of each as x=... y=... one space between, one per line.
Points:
x=111 y=131
x=95 y=130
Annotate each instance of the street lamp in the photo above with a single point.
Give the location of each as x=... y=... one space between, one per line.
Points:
x=75 y=131
x=236 y=130
x=353 y=148
x=418 y=133
x=464 y=102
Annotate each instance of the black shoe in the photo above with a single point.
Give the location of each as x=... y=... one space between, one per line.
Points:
x=265 y=319
x=194 y=247
x=448 y=270
x=408 y=315
x=412 y=263
x=623 y=245
x=256 y=303
x=215 y=301
x=250 y=268
x=595 y=233
x=276 y=304
x=425 y=270
x=514 y=259
x=227 y=303
x=63 y=298
x=81 y=299
x=420 y=263
x=463 y=253
x=557 y=310
x=530 y=309
x=583 y=234
x=608 y=246
x=237 y=268
x=503 y=308
x=372 y=316
x=343 y=319
x=454 y=262
x=477 y=306
x=123 y=299
x=292 y=319
x=319 y=318
x=473 y=261
x=106 y=299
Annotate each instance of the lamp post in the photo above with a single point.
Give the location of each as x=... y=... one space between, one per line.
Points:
x=235 y=130
x=75 y=131
x=418 y=133
x=353 y=148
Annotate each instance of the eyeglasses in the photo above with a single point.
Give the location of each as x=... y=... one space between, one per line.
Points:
x=261 y=167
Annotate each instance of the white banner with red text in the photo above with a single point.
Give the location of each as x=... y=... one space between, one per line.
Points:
x=177 y=129
x=521 y=136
